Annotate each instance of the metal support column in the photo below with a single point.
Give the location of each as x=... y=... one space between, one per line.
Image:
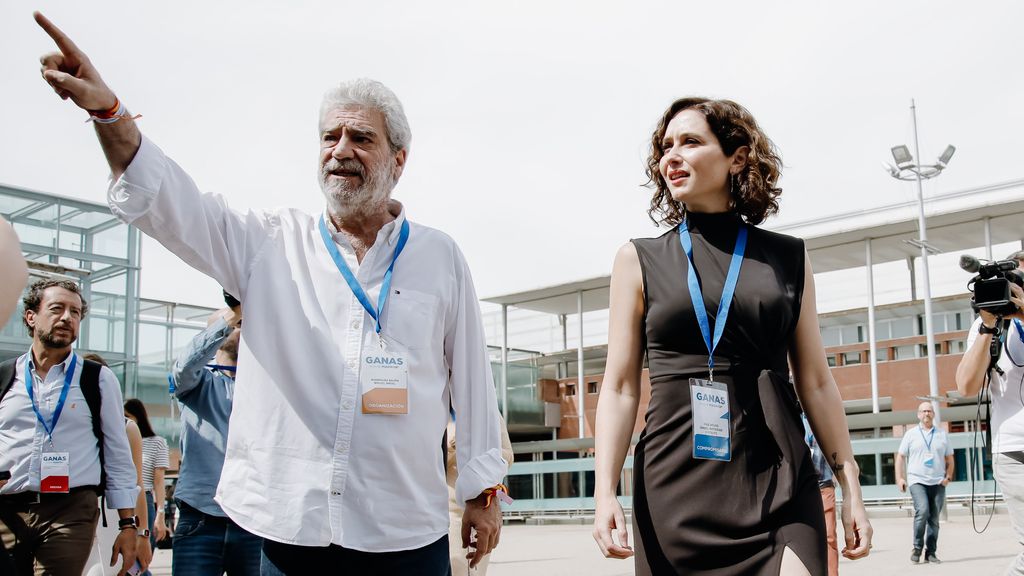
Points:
x=878 y=460
x=554 y=456
x=988 y=238
x=504 y=362
x=929 y=327
x=913 y=278
x=131 y=314
x=580 y=389
x=872 y=342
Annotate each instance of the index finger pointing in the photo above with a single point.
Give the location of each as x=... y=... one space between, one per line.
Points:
x=60 y=38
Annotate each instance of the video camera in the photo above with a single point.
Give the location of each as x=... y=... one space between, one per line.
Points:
x=991 y=286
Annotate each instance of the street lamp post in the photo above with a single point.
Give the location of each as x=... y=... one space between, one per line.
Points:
x=907 y=169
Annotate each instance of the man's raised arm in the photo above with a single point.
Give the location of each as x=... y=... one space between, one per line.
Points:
x=72 y=76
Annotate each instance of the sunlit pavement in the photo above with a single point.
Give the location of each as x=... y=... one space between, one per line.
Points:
x=556 y=550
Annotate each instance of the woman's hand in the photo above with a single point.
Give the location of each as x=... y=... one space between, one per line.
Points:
x=608 y=521
x=856 y=527
x=159 y=527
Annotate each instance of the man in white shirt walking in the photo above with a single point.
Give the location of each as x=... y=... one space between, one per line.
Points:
x=361 y=329
x=925 y=462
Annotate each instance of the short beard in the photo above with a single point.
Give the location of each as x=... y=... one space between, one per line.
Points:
x=50 y=340
x=231 y=350
x=370 y=198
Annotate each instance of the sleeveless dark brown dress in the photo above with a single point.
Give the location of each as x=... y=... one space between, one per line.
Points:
x=709 y=517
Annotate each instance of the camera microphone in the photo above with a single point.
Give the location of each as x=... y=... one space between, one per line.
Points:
x=970 y=263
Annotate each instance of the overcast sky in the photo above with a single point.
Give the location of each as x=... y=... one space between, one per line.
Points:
x=529 y=119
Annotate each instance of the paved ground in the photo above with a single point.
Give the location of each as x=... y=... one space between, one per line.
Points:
x=568 y=550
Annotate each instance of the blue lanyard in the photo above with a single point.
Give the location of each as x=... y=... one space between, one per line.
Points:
x=1020 y=330
x=222 y=367
x=929 y=439
x=697 y=297
x=29 y=379
x=353 y=284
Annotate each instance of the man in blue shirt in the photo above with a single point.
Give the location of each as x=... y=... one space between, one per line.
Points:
x=925 y=461
x=206 y=541
x=826 y=484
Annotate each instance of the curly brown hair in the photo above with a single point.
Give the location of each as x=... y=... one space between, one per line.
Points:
x=754 y=190
x=34 y=297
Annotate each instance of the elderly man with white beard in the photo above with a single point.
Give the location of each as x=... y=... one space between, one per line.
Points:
x=361 y=330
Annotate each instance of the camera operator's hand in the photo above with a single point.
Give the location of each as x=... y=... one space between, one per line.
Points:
x=1016 y=297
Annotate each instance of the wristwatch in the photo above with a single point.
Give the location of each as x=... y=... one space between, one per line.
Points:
x=144 y=533
x=982 y=329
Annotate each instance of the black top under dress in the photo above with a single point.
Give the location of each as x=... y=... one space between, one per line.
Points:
x=710 y=517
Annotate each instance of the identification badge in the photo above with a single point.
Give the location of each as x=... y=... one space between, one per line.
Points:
x=54 y=473
x=384 y=377
x=930 y=462
x=712 y=426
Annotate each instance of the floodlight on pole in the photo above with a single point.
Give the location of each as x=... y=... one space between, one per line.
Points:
x=907 y=169
x=947 y=155
x=902 y=156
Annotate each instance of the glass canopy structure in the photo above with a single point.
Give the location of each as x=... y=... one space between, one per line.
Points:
x=81 y=241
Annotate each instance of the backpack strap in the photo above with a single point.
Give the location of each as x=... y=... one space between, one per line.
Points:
x=90 y=385
x=7 y=371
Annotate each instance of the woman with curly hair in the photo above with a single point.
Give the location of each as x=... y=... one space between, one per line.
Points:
x=723 y=311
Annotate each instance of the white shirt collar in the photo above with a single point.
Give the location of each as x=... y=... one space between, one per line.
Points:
x=389 y=231
x=63 y=363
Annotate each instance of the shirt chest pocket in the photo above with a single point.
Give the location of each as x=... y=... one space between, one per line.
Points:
x=412 y=318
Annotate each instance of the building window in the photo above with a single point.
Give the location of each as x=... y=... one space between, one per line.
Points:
x=904 y=353
x=902 y=327
x=850 y=358
x=570 y=389
x=923 y=350
x=957 y=346
x=591 y=387
x=881 y=331
x=853 y=334
x=868 y=472
x=831 y=358
x=830 y=336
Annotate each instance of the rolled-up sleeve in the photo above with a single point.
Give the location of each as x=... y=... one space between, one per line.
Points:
x=158 y=196
x=190 y=370
x=122 y=489
x=478 y=433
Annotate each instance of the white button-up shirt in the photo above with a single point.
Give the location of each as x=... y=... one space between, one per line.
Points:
x=23 y=438
x=304 y=465
x=1005 y=390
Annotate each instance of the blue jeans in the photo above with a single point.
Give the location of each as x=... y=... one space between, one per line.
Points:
x=289 y=560
x=151 y=507
x=928 y=503
x=206 y=545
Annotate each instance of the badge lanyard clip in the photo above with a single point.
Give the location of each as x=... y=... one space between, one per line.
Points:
x=353 y=283
x=697 y=297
